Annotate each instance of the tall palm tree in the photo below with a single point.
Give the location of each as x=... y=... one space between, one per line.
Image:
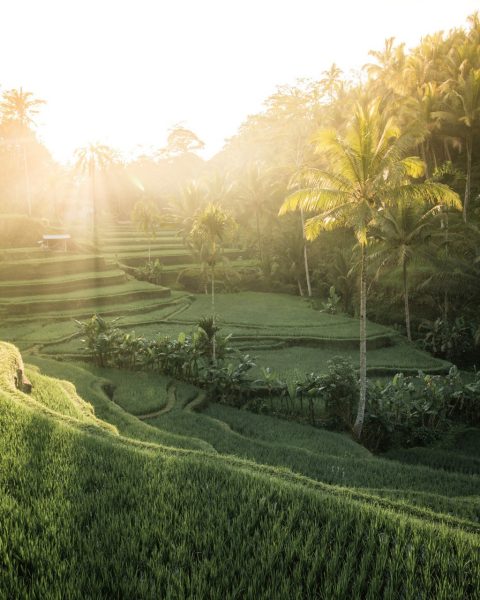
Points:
x=146 y=218
x=91 y=160
x=20 y=107
x=367 y=168
x=403 y=233
x=463 y=98
x=255 y=189
x=210 y=226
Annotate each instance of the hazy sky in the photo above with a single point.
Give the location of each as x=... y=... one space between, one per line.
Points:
x=123 y=71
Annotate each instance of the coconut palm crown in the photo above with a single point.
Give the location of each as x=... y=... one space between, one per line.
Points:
x=366 y=168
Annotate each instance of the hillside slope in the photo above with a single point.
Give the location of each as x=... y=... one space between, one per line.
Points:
x=86 y=512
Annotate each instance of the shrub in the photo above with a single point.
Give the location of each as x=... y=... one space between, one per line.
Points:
x=152 y=271
x=455 y=341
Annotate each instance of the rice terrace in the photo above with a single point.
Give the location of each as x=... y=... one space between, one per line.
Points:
x=239 y=353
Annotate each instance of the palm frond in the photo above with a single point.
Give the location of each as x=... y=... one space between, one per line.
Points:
x=312 y=200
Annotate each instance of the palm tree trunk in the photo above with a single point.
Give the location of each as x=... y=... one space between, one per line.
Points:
x=94 y=204
x=214 y=340
x=423 y=152
x=305 y=255
x=27 y=181
x=405 y=296
x=300 y=289
x=469 y=143
x=445 y=293
x=447 y=151
x=259 y=236
x=358 y=426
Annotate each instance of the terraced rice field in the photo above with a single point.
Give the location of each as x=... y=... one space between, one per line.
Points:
x=218 y=503
x=302 y=345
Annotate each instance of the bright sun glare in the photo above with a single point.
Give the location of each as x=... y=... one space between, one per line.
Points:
x=124 y=72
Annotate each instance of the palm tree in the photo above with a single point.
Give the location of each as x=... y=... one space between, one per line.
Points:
x=367 y=168
x=254 y=191
x=403 y=233
x=463 y=96
x=210 y=227
x=92 y=159
x=189 y=200
x=20 y=107
x=146 y=218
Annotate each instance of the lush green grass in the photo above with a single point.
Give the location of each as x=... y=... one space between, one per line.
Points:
x=321 y=455
x=52 y=266
x=285 y=333
x=400 y=357
x=129 y=312
x=290 y=348
x=82 y=299
x=460 y=452
x=266 y=310
x=92 y=389
x=137 y=393
x=89 y=514
x=325 y=459
x=60 y=285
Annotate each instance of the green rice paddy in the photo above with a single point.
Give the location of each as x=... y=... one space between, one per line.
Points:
x=118 y=484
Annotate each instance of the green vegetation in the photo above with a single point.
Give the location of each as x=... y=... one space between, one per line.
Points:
x=142 y=453
x=120 y=513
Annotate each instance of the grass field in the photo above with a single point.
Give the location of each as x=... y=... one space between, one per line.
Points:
x=90 y=511
x=293 y=346
x=119 y=484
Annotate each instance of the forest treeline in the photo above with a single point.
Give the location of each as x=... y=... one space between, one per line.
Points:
x=429 y=94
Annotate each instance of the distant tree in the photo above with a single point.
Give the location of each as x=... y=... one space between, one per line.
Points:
x=210 y=227
x=254 y=190
x=20 y=107
x=403 y=233
x=181 y=140
x=147 y=219
x=463 y=97
x=91 y=160
x=190 y=199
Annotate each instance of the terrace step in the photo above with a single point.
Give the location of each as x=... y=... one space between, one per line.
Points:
x=142 y=248
x=52 y=266
x=133 y=260
x=139 y=241
x=54 y=286
x=69 y=303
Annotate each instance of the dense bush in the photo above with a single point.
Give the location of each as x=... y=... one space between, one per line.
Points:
x=406 y=411
x=456 y=341
x=189 y=357
x=415 y=411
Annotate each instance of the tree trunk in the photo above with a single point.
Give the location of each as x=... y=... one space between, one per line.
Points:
x=259 y=236
x=423 y=152
x=445 y=293
x=305 y=255
x=447 y=151
x=27 y=181
x=358 y=426
x=300 y=289
x=469 y=143
x=407 y=307
x=94 y=203
x=214 y=339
